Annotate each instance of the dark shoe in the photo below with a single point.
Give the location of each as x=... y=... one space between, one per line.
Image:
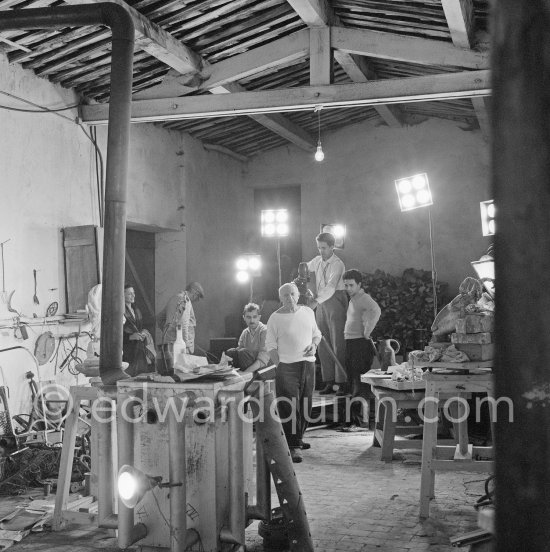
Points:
x=305 y=446
x=328 y=389
x=296 y=455
x=351 y=429
x=342 y=390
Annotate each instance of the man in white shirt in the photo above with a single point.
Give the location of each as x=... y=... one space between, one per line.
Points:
x=250 y=354
x=331 y=303
x=291 y=341
x=362 y=316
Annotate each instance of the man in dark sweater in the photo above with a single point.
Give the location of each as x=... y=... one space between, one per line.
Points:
x=362 y=316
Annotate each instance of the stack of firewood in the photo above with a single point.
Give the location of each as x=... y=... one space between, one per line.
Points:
x=406 y=302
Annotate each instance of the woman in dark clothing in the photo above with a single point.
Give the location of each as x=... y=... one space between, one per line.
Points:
x=137 y=343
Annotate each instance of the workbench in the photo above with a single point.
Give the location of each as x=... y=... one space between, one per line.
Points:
x=393 y=395
x=463 y=456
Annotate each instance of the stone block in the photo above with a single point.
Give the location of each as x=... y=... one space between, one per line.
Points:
x=484 y=337
x=477 y=351
x=475 y=323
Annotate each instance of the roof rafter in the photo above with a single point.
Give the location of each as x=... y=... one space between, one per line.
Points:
x=157 y=42
x=405 y=48
x=278 y=52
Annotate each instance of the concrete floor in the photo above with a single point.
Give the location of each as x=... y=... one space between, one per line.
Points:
x=354 y=502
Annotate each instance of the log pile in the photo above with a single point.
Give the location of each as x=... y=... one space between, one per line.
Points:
x=406 y=302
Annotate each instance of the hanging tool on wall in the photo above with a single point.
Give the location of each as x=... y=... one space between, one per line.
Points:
x=5 y=296
x=3 y=273
x=35 y=297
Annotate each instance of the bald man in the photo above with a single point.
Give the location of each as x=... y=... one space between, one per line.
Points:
x=291 y=341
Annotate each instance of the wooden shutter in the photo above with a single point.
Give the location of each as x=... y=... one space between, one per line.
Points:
x=81 y=265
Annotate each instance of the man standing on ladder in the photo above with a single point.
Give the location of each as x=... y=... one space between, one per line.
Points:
x=331 y=304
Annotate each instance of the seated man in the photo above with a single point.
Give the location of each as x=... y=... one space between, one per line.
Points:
x=250 y=354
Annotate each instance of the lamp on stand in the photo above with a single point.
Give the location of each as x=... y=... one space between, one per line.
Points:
x=414 y=192
x=249 y=266
x=274 y=223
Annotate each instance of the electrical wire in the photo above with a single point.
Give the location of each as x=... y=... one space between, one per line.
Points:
x=99 y=177
x=41 y=108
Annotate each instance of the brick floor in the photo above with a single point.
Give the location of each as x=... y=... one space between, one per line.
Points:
x=354 y=502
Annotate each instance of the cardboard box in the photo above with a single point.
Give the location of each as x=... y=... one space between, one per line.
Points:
x=477 y=351
x=484 y=337
x=475 y=323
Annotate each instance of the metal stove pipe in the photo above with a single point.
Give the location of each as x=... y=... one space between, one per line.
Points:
x=122 y=27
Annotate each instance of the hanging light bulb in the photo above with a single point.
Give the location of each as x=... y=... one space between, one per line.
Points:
x=319 y=154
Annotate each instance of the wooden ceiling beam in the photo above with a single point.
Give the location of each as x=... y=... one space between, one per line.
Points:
x=163 y=46
x=314 y=13
x=273 y=121
x=465 y=84
x=481 y=108
x=156 y=41
x=320 y=56
x=278 y=52
x=318 y=13
x=225 y=151
x=405 y=48
x=460 y=20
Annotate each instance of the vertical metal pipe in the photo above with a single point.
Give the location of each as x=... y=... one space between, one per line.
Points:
x=112 y=300
x=122 y=26
x=235 y=532
x=177 y=468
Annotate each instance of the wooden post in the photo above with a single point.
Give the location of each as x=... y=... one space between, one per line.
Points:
x=521 y=186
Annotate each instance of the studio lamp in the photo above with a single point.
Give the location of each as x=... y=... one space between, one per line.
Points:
x=338 y=231
x=488 y=212
x=485 y=270
x=274 y=223
x=249 y=266
x=133 y=485
x=414 y=192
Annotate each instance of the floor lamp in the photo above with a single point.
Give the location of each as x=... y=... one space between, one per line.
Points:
x=413 y=193
x=274 y=223
x=249 y=266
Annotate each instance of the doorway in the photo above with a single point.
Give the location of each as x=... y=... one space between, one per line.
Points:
x=140 y=273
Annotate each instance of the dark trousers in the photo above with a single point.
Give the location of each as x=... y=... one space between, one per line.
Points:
x=165 y=365
x=331 y=319
x=294 y=384
x=242 y=358
x=359 y=357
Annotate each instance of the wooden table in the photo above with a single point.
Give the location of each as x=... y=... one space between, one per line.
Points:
x=393 y=395
x=463 y=455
